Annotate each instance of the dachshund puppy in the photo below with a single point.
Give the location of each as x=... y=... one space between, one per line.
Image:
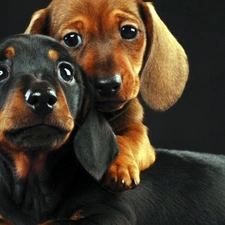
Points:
x=123 y=47
x=50 y=129
x=42 y=93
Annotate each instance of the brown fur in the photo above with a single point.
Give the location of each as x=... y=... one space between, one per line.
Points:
x=154 y=63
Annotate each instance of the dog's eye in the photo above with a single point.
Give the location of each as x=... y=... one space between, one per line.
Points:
x=66 y=72
x=4 y=72
x=73 y=40
x=128 y=32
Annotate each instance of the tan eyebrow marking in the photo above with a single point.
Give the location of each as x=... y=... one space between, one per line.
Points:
x=53 y=55
x=10 y=52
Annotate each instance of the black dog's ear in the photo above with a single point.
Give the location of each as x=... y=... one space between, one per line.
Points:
x=95 y=144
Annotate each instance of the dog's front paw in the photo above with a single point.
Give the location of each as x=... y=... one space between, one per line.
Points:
x=122 y=175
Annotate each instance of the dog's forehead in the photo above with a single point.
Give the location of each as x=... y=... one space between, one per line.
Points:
x=11 y=52
x=33 y=48
x=97 y=8
x=93 y=17
x=86 y=3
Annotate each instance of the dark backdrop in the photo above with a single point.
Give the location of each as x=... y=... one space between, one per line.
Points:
x=196 y=122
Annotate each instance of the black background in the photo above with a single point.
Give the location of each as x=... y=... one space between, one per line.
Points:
x=196 y=122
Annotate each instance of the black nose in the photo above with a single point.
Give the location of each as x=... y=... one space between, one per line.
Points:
x=108 y=87
x=41 y=100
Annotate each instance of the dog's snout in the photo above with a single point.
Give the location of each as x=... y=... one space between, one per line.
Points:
x=41 y=100
x=108 y=87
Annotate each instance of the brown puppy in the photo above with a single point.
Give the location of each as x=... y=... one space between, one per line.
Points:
x=124 y=47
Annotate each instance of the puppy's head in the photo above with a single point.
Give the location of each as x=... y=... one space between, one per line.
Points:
x=123 y=46
x=37 y=79
x=43 y=92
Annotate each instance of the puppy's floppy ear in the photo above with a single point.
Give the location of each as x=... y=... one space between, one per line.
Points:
x=165 y=70
x=39 y=23
x=95 y=144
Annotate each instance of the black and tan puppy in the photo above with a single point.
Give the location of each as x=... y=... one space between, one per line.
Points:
x=42 y=92
x=49 y=129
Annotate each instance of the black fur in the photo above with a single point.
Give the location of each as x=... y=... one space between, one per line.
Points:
x=180 y=188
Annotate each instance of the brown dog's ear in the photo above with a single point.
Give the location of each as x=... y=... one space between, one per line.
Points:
x=165 y=70
x=39 y=23
x=95 y=144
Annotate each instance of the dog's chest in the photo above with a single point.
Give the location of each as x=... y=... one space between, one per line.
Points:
x=36 y=198
x=32 y=199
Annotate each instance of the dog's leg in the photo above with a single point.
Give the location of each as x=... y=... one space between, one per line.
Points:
x=124 y=173
x=136 y=152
